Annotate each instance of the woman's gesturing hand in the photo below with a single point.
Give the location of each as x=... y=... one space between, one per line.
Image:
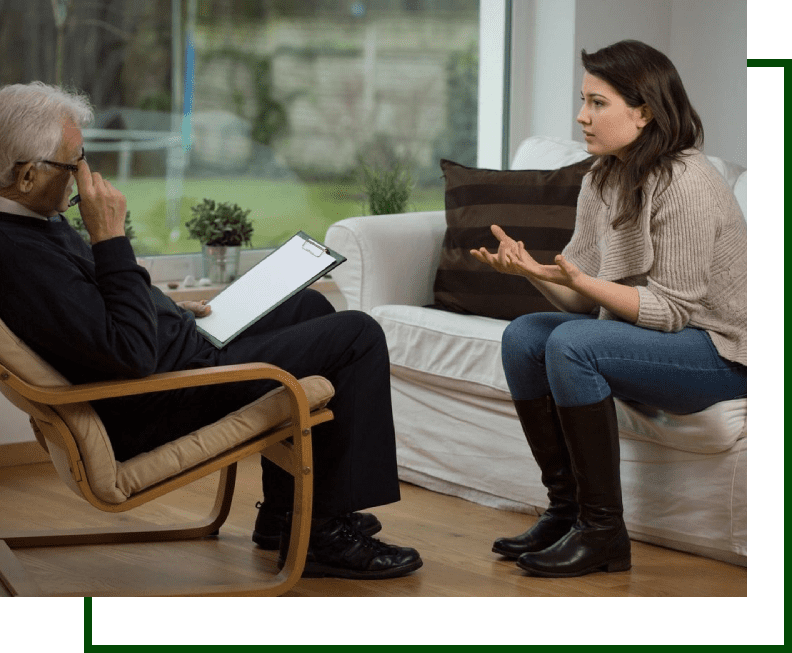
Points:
x=563 y=284
x=513 y=258
x=502 y=259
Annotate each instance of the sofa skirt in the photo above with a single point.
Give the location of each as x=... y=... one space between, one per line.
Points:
x=471 y=446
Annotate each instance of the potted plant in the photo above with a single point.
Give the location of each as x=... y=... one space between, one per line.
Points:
x=222 y=228
x=386 y=188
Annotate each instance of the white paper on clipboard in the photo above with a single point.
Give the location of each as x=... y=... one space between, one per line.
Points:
x=296 y=264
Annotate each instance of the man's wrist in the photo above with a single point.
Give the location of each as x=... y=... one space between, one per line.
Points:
x=98 y=238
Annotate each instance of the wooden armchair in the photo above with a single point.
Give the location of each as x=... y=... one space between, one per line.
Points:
x=278 y=426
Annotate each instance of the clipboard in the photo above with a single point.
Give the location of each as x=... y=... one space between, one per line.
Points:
x=290 y=268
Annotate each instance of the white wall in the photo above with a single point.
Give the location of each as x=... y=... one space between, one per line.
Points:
x=554 y=60
x=706 y=40
x=601 y=22
x=14 y=424
x=717 y=82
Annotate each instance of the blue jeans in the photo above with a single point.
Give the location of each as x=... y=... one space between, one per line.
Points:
x=581 y=360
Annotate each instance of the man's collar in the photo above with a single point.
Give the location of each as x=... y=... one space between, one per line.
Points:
x=10 y=206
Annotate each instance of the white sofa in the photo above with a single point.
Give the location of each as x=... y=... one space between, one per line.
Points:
x=684 y=477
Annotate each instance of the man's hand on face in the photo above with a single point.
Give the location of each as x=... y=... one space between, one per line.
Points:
x=102 y=206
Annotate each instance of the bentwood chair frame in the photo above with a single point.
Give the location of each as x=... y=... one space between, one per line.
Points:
x=289 y=445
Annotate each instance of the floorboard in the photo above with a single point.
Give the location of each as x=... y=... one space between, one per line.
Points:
x=454 y=537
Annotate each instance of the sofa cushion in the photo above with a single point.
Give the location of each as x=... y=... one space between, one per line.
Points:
x=454 y=354
x=548 y=153
x=446 y=350
x=709 y=431
x=729 y=171
x=535 y=206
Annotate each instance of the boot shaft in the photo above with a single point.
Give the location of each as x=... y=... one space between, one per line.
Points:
x=592 y=438
x=542 y=430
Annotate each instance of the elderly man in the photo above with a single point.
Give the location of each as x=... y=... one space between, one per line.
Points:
x=93 y=314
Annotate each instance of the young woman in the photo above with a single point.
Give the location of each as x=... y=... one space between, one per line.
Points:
x=652 y=294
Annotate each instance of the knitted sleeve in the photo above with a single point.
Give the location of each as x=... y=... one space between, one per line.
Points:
x=684 y=224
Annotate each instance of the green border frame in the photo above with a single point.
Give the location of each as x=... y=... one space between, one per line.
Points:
x=73 y=624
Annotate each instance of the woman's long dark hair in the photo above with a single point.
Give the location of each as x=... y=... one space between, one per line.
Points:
x=643 y=75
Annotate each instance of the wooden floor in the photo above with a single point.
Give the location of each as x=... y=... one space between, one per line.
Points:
x=454 y=537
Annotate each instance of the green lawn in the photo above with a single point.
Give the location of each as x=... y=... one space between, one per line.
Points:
x=278 y=208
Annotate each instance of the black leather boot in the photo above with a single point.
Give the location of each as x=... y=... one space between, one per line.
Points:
x=598 y=541
x=543 y=432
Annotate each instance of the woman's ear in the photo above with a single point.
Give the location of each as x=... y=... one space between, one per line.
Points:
x=645 y=115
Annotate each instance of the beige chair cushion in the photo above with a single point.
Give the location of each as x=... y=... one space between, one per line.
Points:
x=114 y=482
x=146 y=469
x=80 y=418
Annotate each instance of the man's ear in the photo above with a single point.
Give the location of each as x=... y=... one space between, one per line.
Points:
x=25 y=178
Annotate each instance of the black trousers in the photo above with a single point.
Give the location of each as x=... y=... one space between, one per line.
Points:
x=355 y=454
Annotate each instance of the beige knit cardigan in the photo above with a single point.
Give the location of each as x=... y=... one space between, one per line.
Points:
x=686 y=254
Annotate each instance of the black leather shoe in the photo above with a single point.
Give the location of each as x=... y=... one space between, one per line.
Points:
x=268 y=528
x=547 y=531
x=339 y=550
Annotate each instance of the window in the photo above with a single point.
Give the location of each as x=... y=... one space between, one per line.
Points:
x=273 y=105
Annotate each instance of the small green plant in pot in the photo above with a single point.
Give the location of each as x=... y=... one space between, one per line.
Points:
x=222 y=228
x=387 y=188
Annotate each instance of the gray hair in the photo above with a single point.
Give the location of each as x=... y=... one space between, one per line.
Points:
x=31 y=122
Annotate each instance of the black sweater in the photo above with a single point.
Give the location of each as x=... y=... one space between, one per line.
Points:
x=91 y=312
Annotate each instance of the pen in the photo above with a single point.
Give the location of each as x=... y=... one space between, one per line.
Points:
x=74 y=200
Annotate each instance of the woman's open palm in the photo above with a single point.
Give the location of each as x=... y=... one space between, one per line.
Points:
x=513 y=258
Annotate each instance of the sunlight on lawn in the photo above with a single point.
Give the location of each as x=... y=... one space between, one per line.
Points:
x=278 y=209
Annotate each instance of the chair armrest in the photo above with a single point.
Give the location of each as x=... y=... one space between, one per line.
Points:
x=391 y=259
x=73 y=394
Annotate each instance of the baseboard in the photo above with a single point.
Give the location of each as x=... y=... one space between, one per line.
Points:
x=22 y=453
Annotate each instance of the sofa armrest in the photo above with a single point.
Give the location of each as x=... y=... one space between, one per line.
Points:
x=391 y=259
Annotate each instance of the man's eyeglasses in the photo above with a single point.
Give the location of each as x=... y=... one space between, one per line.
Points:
x=71 y=167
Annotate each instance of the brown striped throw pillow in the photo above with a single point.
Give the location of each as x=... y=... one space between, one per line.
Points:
x=534 y=206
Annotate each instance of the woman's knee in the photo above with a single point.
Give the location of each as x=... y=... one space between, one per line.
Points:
x=569 y=341
x=523 y=345
x=571 y=360
x=525 y=337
